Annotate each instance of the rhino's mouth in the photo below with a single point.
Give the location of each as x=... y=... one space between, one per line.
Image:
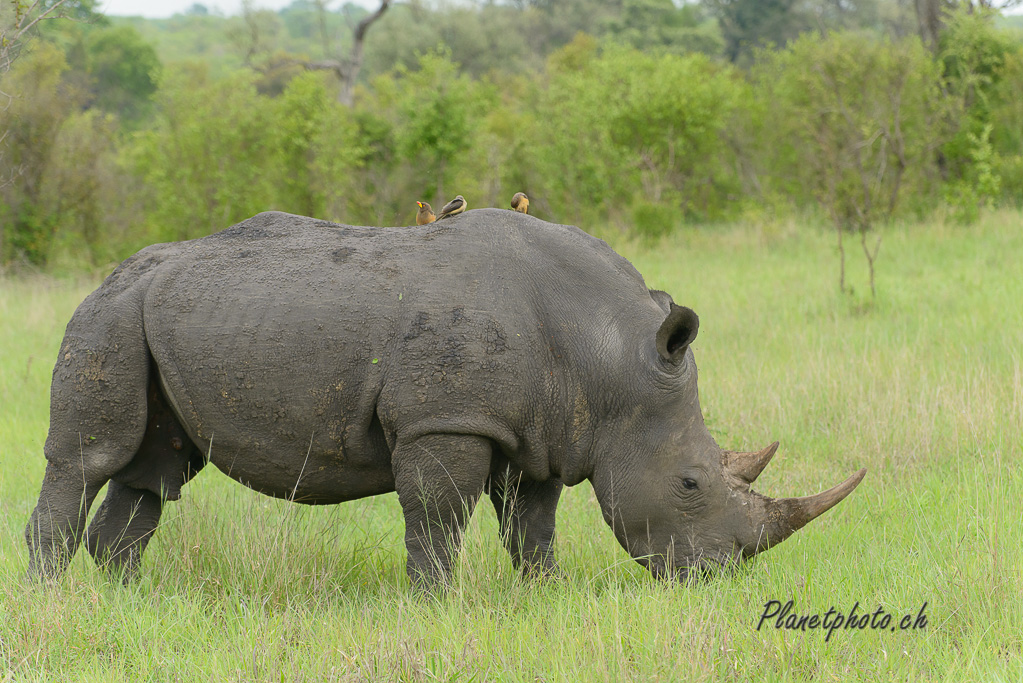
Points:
x=699 y=569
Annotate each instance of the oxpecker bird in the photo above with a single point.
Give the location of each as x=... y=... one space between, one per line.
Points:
x=425 y=214
x=455 y=206
x=520 y=202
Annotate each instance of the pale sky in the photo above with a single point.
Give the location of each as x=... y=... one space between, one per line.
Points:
x=161 y=9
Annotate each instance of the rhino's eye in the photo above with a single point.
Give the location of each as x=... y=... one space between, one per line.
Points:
x=690 y=484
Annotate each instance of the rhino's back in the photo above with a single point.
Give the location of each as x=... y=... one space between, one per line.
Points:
x=285 y=341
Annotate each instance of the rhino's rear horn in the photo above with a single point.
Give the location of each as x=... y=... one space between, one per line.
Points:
x=748 y=466
x=785 y=516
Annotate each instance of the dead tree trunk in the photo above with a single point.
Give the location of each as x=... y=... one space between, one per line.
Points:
x=871 y=257
x=841 y=259
x=928 y=19
x=347 y=70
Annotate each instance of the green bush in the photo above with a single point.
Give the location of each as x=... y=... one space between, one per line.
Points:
x=651 y=220
x=630 y=128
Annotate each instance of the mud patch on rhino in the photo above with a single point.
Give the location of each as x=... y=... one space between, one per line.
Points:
x=452 y=350
x=420 y=325
x=90 y=368
x=580 y=417
x=494 y=339
x=341 y=255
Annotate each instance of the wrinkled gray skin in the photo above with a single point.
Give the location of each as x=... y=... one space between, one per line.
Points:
x=323 y=363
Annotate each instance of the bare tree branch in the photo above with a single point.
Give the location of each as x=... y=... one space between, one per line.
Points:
x=25 y=19
x=355 y=56
x=346 y=69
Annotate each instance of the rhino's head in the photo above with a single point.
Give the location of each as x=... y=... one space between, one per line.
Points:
x=677 y=502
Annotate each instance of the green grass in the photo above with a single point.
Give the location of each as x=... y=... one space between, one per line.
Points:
x=923 y=387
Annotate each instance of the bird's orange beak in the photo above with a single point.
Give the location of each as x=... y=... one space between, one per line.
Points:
x=420 y=204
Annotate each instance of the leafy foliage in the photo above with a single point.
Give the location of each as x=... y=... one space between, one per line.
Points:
x=438 y=113
x=123 y=69
x=204 y=161
x=637 y=124
x=860 y=119
x=30 y=124
x=974 y=55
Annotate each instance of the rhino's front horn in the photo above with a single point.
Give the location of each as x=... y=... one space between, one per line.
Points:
x=748 y=466
x=785 y=516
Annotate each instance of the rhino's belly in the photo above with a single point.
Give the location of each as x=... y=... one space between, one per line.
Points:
x=283 y=433
x=287 y=449
x=319 y=479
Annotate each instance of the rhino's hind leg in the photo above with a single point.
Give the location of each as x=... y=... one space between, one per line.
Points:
x=122 y=527
x=526 y=510
x=97 y=420
x=439 y=478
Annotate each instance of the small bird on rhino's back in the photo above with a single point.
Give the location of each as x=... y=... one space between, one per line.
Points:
x=454 y=207
x=520 y=202
x=425 y=214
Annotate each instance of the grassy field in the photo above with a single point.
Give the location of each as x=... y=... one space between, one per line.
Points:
x=923 y=387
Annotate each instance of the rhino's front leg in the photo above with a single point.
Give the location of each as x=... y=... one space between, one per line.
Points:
x=439 y=478
x=526 y=510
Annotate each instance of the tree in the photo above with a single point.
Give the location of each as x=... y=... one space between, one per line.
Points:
x=746 y=24
x=672 y=137
x=31 y=123
x=317 y=147
x=260 y=56
x=208 y=163
x=653 y=25
x=629 y=138
x=440 y=109
x=973 y=53
x=929 y=19
x=347 y=69
x=931 y=14
x=861 y=117
x=124 y=70
x=76 y=184
x=19 y=20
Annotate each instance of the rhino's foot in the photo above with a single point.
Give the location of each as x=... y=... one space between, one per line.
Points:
x=58 y=522
x=48 y=558
x=122 y=528
x=543 y=571
x=428 y=578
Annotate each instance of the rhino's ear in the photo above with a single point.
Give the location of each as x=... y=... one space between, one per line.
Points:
x=677 y=332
